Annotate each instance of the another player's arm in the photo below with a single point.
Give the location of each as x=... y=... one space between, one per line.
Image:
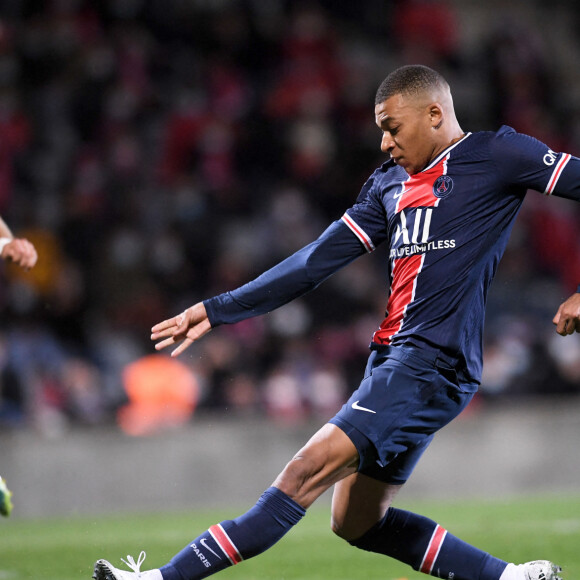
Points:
x=17 y=250
x=294 y=277
x=567 y=319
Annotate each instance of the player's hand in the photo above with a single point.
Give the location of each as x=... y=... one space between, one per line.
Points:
x=567 y=319
x=21 y=252
x=186 y=328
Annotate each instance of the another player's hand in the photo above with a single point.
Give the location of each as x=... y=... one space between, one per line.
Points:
x=21 y=252
x=567 y=319
x=186 y=328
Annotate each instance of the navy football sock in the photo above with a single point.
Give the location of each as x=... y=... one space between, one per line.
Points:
x=429 y=548
x=232 y=541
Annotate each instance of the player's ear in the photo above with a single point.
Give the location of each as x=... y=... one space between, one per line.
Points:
x=436 y=115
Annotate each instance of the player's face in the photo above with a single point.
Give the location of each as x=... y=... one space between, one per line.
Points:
x=409 y=131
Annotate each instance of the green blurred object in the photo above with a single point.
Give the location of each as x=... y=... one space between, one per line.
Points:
x=5 y=499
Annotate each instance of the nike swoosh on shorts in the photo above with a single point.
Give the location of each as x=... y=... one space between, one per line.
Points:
x=357 y=407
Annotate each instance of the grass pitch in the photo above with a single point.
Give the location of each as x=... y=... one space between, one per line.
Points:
x=65 y=549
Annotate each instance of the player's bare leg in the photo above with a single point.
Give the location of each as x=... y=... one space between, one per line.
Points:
x=328 y=457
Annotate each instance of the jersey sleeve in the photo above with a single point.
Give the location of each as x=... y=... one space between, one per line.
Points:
x=367 y=217
x=566 y=178
x=526 y=161
x=291 y=278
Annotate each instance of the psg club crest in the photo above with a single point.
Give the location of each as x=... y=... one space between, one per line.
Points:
x=443 y=186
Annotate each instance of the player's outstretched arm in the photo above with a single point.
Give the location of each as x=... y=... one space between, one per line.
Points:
x=567 y=319
x=185 y=328
x=336 y=247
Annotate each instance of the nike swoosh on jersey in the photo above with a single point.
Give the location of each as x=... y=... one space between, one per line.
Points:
x=357 y=407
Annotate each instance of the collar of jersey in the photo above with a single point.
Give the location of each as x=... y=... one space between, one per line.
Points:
x=445 y=152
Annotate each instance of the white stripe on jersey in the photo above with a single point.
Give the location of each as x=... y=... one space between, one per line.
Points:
x=359 y=233
x=446 y=152
x=556 y=173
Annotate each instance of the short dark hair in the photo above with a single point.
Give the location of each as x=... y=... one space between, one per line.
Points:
x=409 y=80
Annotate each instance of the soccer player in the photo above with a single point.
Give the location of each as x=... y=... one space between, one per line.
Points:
x=21 y=252
x=445 y=201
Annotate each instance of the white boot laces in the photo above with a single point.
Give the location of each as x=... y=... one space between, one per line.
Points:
x=135 y=566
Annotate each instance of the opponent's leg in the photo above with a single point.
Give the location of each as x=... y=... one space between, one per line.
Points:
x=326 y=458
x=414 y=539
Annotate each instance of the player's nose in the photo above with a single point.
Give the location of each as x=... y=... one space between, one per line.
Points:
x=387 y=142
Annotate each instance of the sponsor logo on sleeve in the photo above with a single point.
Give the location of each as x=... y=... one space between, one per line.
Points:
x=550 y=158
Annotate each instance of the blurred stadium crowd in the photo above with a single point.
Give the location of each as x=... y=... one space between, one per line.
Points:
x=158 y=152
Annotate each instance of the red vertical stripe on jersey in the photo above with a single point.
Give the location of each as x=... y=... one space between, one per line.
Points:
x=433 y=550
x=405 y=272
x=226 y=545
x=556 y=173
x=418 y=189
x=417 y=192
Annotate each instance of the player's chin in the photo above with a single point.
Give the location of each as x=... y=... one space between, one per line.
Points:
x=411 y=169
x=408 y=166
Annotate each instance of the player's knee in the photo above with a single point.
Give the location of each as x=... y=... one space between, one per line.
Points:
x=349 y=530
x=338 y=528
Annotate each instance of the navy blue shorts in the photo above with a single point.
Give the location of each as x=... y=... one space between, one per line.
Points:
x=407 y=394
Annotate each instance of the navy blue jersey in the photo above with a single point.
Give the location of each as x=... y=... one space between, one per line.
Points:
x=447 y=227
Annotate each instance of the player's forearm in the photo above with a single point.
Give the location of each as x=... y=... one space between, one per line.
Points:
x=293 y=277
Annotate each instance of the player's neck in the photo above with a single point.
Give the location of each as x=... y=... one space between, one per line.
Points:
x=452 y=135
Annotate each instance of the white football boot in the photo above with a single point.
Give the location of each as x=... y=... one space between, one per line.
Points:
x=541 y=570
x=106 y=571
x=536 y=570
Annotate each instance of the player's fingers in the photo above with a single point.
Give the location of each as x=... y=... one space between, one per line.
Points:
x=561 y=327
x=186 y=343
x=182 y=323
x=560 y=321
x=10 y=252
x=566 y=326
x=21 y=252
x=165 y=343
x=31 y=257
x=161 y=326
x=198 y=331
x=28 y=261
x=168 y=332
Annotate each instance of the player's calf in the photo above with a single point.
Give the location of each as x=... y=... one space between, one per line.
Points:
x=222 y=545
x=427 y=547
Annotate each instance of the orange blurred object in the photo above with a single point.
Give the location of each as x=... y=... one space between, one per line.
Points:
x=162 y=392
